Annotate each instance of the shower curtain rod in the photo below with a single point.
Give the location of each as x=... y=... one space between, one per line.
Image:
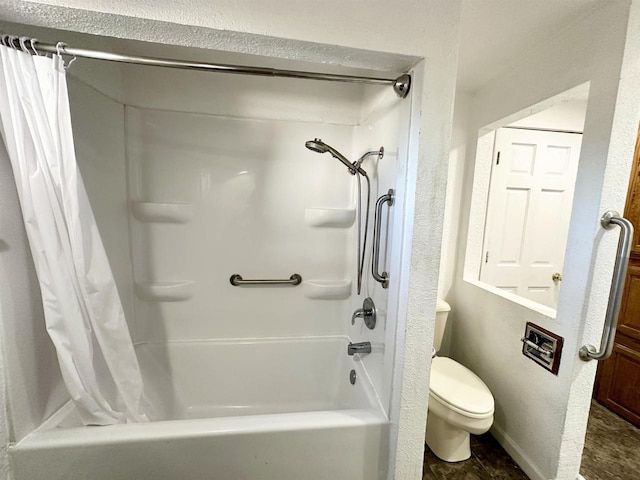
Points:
x=401 y=84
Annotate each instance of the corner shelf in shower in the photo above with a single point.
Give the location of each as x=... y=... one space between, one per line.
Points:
x=155 y=212
x=165 y=291
x=327 y=289
x=330 y=217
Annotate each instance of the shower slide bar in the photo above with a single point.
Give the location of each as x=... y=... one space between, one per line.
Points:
x=236 y=280
x=608 y=221
x=401 y=84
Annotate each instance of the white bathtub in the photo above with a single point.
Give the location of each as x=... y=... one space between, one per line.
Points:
x=236 y=410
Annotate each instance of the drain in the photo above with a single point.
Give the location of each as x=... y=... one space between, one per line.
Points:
x=352 y=377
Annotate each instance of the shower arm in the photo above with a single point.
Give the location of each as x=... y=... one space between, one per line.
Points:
x=357 y=164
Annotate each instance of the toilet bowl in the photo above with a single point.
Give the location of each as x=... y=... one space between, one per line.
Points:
x=460 y=403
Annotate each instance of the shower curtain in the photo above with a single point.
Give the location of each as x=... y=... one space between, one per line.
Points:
x=83 y=313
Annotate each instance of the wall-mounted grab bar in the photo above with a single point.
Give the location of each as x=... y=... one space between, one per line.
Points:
x=236 y=280
x=609 y=220
x=383 y=277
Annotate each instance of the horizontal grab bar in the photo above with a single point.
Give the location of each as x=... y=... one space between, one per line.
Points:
x=236 y=280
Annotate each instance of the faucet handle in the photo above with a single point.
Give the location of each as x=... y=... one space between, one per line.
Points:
x=359 y=313
x=368 y=312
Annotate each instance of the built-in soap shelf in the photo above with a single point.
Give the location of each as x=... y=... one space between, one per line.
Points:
x=165 y=291
x=327 y=289
x=156 y=212
x=330 y=217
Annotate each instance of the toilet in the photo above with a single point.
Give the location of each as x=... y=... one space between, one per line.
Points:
x=460 y=403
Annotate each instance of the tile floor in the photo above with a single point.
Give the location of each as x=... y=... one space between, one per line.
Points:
x=488 y=461
x=611 y=452
x=612 y=447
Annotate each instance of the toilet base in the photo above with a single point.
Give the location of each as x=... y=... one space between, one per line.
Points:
x=447 y=442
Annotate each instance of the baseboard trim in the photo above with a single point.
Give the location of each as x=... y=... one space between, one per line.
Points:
x=518 y=455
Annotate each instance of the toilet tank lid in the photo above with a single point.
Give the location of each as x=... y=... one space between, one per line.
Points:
x=442 y=306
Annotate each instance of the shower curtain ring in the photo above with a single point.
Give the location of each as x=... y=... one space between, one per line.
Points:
x=11 y=39
x=23 y=45
x=59 y=47
x=33 y=46
x=70 y=62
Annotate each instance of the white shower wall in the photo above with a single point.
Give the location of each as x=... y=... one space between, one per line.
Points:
x=194 y=177
x=99 y=138
x=246 y=184
x=384 y=118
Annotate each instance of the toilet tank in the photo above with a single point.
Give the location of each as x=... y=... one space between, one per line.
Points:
x=442 y=313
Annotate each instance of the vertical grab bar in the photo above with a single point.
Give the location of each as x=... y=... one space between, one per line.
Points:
x=609 y=220
x=383 y=277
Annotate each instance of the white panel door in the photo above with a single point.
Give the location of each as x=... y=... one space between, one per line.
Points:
x=529 y=208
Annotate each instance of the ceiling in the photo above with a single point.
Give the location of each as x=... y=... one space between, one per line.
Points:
x=493 y=33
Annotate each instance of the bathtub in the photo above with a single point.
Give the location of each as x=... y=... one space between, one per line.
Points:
x=227 y=410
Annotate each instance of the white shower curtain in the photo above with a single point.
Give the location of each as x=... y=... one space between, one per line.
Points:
x=83 y=313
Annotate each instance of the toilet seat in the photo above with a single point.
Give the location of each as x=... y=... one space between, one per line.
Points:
x=459 y=389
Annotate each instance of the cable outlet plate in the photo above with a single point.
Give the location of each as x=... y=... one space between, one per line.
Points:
x=543 y=347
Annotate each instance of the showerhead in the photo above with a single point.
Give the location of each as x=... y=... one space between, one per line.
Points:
x=319 y=146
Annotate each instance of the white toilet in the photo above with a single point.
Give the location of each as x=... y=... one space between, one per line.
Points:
x=459 y=402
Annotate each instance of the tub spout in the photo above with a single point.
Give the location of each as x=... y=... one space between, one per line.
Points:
x=361 y=347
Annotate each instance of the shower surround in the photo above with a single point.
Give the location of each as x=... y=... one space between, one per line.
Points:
x=194 y=177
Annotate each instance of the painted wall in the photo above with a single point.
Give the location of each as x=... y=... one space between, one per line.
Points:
x=565 y=116
x=425 y=29
x=461 y=142
x=541 y=418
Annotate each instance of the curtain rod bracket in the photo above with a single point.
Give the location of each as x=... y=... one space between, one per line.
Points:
x=402 y=85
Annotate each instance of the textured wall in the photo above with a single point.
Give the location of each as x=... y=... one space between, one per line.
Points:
x=541 y=418
x=382 y=26
x=461 y=140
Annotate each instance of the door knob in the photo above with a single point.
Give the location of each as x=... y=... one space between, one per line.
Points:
x=556 y=277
